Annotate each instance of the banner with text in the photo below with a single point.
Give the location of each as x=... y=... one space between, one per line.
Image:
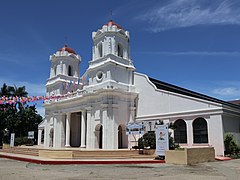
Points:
x=162 y=140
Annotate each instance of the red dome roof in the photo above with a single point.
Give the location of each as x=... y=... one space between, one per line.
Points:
x=68 y=49
x=111 y=22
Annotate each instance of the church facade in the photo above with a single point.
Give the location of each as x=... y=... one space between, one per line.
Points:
x=94 y=109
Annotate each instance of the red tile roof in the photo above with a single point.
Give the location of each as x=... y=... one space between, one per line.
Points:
x=68 y=49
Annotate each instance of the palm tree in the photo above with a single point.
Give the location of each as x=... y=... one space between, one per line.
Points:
x=13 y=91
x=4 y=90
x=9 y=115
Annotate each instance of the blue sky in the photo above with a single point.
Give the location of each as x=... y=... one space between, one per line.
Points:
x=194 y=44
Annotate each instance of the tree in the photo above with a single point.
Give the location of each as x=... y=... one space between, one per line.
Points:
x=9 y=91
x=231 y=147
x=3 y=118
x=17 y=118
x=4 y=90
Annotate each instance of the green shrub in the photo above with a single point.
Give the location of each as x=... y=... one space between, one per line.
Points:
x=22 y=141
x=148 y=140
x=231 y=146
x=172 y=144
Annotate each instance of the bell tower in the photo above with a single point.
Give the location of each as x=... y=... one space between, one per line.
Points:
x=111 y=64
x=64 y=71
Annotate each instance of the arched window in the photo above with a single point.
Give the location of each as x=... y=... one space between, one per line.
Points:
x=200 y=131
x=100 y=49
x=180 y=134
x=70 y=73
x=55 y=70
x=120 y=50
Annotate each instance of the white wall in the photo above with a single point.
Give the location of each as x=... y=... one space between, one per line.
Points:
x=231 y=124
x=215 y=134
x=152 y=101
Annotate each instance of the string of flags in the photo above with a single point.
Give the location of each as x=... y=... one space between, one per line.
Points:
x=13 y=99
x=66 y=88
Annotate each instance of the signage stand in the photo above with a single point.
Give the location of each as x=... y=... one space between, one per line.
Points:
x=162 y=139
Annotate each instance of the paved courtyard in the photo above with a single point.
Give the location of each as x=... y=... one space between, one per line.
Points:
x=11 y=169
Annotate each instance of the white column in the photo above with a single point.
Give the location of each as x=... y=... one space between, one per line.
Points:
x=114 y=126
x=55 y=129
x=68 y=123
x=90 y=140
x=46 y=131
x=59 y=131
x=39 y=136
x=62 y=130
x=106 y=128
x=83 y=130
x=189 y=133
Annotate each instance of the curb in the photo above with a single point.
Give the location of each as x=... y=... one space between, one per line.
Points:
x=66 y=162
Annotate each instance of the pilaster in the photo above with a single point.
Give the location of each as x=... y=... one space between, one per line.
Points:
x=105 y=123
x=90 y=132
x=55 y=130
x=46 y=131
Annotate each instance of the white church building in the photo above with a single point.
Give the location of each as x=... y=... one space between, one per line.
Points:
x=92 y=111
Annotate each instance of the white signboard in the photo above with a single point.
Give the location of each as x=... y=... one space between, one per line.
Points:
x=162 y=141
x=12 y=139
x=30 y=134
x=134 y=129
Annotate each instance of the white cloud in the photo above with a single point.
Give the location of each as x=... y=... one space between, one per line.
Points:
x=11 y=58
x=33 y=89
x=189 y=53
x=185 y=13
x=227 y=91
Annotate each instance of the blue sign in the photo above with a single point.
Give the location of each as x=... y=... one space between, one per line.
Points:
x=134 y=129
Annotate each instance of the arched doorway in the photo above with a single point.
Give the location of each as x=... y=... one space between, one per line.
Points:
x=122 y=137
x=51 y=134
x=42 y=137
x=98 y=135
x=75 y=126
x=180 y=133
x=200 y=131
x=120 y=141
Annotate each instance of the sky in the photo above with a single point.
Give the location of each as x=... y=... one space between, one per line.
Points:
x=194 y=44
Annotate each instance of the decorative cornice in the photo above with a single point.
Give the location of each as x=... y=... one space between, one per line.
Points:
x=89 y=108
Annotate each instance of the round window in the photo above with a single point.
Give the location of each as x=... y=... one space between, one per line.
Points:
x=99 y=75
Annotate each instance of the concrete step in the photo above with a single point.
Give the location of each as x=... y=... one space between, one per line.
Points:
x=24 y=151
x=106 y=153
x=80 y=154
